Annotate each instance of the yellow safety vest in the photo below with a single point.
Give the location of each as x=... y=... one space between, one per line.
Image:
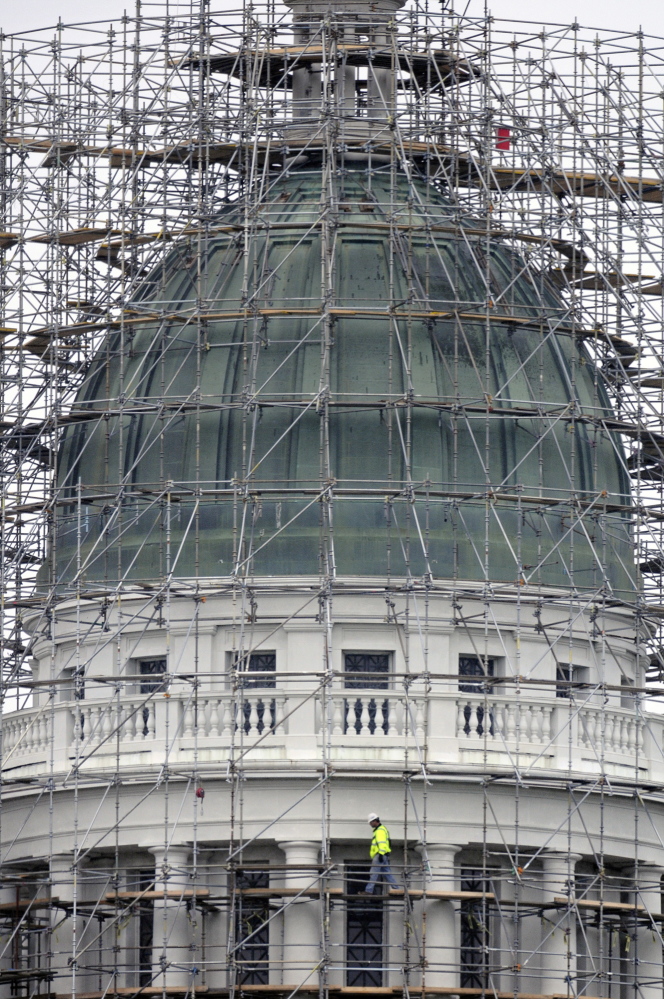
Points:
x=380 y=842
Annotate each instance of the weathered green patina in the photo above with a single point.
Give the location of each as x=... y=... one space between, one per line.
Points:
x=442 y=427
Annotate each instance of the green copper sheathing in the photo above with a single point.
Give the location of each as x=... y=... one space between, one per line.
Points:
x=453 y=490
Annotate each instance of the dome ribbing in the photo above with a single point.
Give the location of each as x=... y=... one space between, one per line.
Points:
x=455 y=379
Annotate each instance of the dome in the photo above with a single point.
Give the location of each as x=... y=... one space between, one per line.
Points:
x=397 y=431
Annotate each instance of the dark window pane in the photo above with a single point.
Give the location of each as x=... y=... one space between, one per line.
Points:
x=364 y=667
x=252 y=932
x=364 y=931
x=563 y=676
x=152 y=670
x=262 y=663
x=474 y=666
x=145 y=929
x=475 y=939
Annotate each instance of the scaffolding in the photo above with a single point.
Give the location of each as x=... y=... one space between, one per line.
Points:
x=332 y=453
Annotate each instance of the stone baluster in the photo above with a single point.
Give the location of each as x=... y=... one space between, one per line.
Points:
x=213 y=718
x=7 y=737
x=76 y=726
x=392 y=727
x=150 y=723
x=107 y=724
x=81 y=712
x=420 y=719
x=226 y=717
x=546 y=724
x=558 y=945
x=94 y=725
x=631 y=738
x=624 y=735
x=253 y=717
x=337 y=716
x=43 y=731
x=133 y=722
x=473 y=721
x=461 y=720
x=349 y=712
x=187 y=721
x=442 y=931
x=497 y=721
x=606 y=731
x=173 y=958
x=279 y=712
x=365 y=717
x=301 y=933
x=538 y=718
x=510 y=722
x=31 y=734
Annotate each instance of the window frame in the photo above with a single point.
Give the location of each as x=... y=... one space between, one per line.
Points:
x=475 y=683
x=367 y=684
x=570 y=678
x=147 y=686
x=268 y=678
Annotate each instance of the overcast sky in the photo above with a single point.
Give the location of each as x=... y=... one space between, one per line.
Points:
x=26 y=15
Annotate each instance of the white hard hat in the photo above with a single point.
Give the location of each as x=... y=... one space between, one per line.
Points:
x=372 y=817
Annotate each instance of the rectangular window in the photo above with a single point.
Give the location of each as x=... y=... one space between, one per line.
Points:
x=145 y=928
x=152 y=675
x=152 y=681
x=367 y=671
x=364 y=931
x=257 y=672
x=474 y=666
x=626 y=692
x=261 y=665
x=569 y=679
x=73 y=686
x=252 y=930
x=475 y=936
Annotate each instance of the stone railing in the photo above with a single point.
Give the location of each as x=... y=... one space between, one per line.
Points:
x=556 y=726
x=447 y=728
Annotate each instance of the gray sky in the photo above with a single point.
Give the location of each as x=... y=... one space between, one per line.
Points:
x=26 y=15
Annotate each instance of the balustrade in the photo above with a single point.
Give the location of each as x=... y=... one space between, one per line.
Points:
x=500 y=720
x=377 y=713
x=25 y=733
x=351 y=717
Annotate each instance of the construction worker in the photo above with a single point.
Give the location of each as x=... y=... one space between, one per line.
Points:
x=380 y=856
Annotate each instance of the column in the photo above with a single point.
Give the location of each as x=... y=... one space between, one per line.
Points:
x=558 y=945
x=302 y=919
x=441 y=926
x=217 y=923
x=648 y=943
x=65 y=930
x=172 y=943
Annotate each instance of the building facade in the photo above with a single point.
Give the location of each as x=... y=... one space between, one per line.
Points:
x=345 y=513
